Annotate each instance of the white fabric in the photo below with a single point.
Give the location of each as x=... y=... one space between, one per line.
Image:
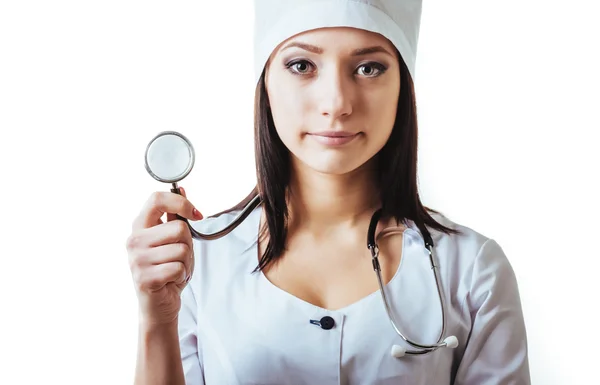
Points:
x=277 y=20
x=237 y=328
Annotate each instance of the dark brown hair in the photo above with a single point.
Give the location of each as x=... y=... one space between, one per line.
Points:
x=397 y=170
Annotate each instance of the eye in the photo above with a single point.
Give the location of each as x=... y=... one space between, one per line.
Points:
x=302 y=67
x=298 y=67
x=372 y=69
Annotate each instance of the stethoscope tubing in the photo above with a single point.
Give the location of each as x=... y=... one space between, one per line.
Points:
x=425 y=348
x=227 y=229
x=428 y=242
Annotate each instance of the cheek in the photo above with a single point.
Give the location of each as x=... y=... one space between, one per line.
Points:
x=382 y=109
x=289 y=110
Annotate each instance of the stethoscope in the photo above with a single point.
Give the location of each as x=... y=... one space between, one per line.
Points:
x=170 y=157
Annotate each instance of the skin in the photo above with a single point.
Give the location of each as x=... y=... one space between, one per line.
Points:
x=333 y=192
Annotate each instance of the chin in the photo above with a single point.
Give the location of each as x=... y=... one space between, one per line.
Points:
x=339 y=165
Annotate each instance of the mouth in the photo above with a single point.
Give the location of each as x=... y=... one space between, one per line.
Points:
x=334 y=138
x=334 y=134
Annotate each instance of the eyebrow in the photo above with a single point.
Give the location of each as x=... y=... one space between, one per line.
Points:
x=356 y=52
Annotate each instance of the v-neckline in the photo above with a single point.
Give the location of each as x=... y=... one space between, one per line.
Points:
x=308 y=306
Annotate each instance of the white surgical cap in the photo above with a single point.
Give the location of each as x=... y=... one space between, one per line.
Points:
x=277 y=20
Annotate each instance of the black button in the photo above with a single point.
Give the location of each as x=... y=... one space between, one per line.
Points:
x=327 y=322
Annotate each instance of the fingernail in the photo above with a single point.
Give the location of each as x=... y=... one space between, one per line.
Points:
x=197 y=214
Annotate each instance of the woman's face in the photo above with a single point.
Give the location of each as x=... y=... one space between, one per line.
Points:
x=333 y=95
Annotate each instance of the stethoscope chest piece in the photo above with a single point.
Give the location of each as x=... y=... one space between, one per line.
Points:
x=169 y=157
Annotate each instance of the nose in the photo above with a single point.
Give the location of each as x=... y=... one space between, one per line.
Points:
x=335 y=95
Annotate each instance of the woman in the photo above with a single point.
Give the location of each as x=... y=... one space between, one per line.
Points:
x=290 y=297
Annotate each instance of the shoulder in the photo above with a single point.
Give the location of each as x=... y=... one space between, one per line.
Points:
x=467 y=246
x=474 y=263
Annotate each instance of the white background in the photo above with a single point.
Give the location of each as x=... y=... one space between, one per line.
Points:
x=508 y=96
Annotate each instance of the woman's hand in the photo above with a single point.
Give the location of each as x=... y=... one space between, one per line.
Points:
x=161 y=255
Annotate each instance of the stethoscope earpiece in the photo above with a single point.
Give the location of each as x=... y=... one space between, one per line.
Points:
x=398 y=351
x=451 y=342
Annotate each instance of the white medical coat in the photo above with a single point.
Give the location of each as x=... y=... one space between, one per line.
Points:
x=237 y=328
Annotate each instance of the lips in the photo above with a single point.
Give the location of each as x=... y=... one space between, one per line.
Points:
x=333 y=138
x=334 y=134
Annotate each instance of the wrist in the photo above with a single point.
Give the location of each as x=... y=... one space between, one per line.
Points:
x=151 y=325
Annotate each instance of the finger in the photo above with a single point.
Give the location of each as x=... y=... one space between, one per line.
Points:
x=156 y=277
x=172 y=217
x=160 y=203
x=170 y=232
x=174 y=252
x=164 y=234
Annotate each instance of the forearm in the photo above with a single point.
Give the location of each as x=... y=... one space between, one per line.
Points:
x=159 y=358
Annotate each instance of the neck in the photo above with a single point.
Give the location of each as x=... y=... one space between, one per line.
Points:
x=321 y=203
